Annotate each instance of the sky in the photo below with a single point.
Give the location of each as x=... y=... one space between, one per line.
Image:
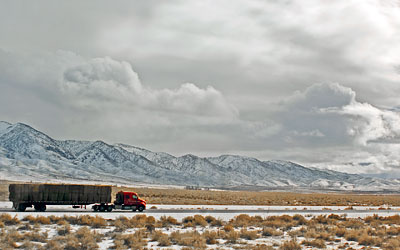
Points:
x=314 y=82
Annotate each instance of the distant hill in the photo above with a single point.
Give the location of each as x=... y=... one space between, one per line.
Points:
x=28 y=154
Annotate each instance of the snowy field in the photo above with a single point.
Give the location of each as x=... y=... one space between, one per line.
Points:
x=224 y=212
x=203 y=227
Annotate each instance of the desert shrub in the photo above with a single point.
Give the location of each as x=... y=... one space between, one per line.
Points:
x=87 y=220
x=43 y=220
x=228 y=228
x=366 y=240
x=165 y=221
x=87 y=239
x=268 y=231
x=120 y=224
x=242 y=220
x=351 y=235
x=248 y=235
x=164 y=241
x=54 y=244
x=25 y=227
x=65 y=229
x=7 y=219
x=232 y=236
x=35 y=236
x=319 y=243
x=196 y=220
x=211 y=237
x=199 y=220
x=340 y=231
x=393 y=230
x=299 y=219
x=352 y=223
x=290 y=245
x=134 y=241
x=72 y=243
x=162 y=238
x=138 y=221
x=284 y=222
x=190 y=238
x=392 y=244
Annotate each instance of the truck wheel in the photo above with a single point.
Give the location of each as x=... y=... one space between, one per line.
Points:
x=141 y=208
x=36 y=207
x=21 y=208
x=109 y=208
x=42 y=207
x=95 y=208
x=102 y=208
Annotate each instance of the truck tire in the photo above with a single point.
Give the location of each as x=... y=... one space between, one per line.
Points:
x=21 y=208
x=95 y=208
x=36 y=207
x=42 y=207
x=109 y=208
x=141 y=208
x=102 y=208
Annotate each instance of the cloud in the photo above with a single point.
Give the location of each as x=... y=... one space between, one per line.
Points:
x=105 y=79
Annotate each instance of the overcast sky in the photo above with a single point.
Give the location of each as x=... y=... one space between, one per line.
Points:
x=315 y=82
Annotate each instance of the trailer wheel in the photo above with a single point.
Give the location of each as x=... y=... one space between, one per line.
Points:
x=21 y=208
x=102 y=208
x=95 y=208
x=109 y=208
x=141 y=208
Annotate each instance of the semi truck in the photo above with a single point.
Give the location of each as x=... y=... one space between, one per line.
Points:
x=39 y=196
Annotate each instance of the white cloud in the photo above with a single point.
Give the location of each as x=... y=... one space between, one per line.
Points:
x=105 y=79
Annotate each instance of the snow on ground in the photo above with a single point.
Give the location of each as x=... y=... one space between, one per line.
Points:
x=224 y=212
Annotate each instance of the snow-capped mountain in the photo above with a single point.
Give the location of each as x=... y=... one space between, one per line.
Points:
x=28 y=154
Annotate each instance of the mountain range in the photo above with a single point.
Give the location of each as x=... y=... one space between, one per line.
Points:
x=30 y=155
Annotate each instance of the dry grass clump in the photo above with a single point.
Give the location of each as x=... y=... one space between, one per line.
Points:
x=190 y=238
x=213 y=221
x=165 y=221
x=121 y=223
x=232 y=236
x=64 y=230
x=211 y=237
x=136 y=240
x=161 y=238
x=243 y=220
x=268 y=231
x=93 y=221
x=392 y=244
x=9 y=239
x=192 y=221
x=8 y=220
x=319 y=243
x=290 y=245
x=35 y=236
x=352 y=235
x=284 y=222
x=249 y=234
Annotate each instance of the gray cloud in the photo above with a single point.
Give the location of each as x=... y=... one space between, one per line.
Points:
x=211 y=77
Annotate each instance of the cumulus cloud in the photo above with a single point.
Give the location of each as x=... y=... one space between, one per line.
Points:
x=101 y=79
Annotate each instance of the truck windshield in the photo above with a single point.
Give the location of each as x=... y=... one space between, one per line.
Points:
x=134 y=196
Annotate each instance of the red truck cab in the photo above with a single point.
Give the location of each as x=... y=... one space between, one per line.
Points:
x=129 y=201
x=123 y=201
